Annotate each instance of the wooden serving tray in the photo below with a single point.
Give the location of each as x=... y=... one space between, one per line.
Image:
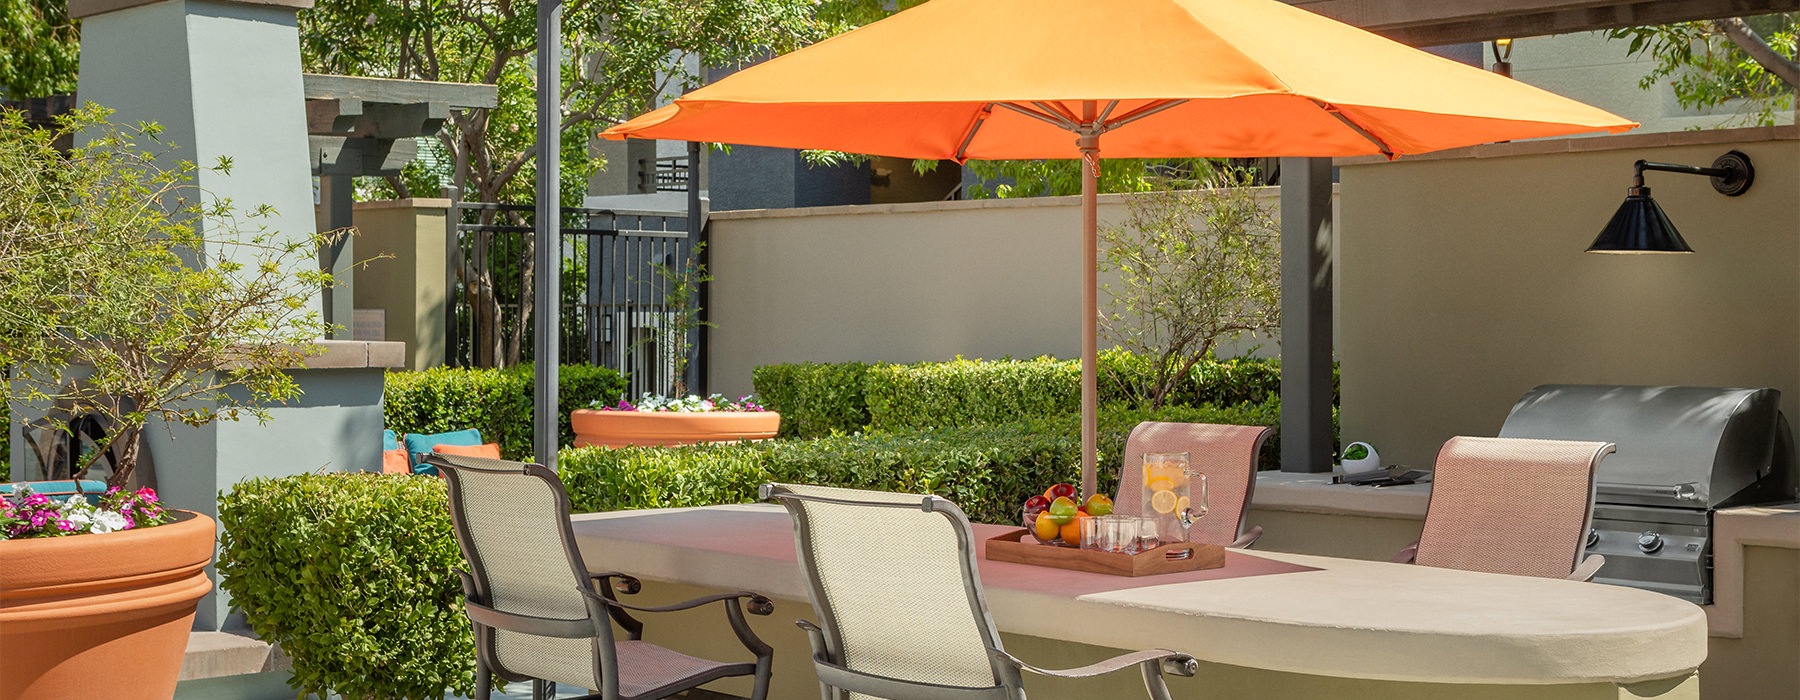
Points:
x=1015 y=547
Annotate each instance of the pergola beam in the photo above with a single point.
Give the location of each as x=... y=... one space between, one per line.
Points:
x=1436 y=23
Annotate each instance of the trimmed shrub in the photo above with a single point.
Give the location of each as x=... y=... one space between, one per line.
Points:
x=495 y=401
x=353 y=575
x=965 y=392
x=988 y=469
x=814 y=399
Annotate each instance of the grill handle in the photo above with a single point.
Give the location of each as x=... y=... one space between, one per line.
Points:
x=1689 y=491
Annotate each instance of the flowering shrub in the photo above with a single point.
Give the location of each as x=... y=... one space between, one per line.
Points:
x=26 y=514
x=685 y=404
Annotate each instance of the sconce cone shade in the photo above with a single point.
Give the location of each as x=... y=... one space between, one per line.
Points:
x=1639 y=226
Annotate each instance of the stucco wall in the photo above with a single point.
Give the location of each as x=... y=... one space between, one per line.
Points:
x=902 y=283
x=403 y=242
x=1464 y=284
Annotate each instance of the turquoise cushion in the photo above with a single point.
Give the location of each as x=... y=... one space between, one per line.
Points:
x=389 y=440
x=417 y=446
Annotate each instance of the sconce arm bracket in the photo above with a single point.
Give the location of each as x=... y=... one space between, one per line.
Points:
x=1731 y=173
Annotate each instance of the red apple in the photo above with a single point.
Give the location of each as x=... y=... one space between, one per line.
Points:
x=1060 y=491
x=1037 y=504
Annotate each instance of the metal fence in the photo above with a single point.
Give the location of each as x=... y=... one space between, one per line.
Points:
x=616 y=307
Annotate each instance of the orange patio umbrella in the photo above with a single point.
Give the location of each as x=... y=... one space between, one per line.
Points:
x=1030 y=79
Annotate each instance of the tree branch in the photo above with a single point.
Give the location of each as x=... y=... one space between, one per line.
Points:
x=1758 y=49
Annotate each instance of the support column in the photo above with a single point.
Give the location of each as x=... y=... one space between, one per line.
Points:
x=338 y=258
x=1306 y=386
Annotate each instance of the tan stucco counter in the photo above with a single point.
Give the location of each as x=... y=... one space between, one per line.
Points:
x=1319 y=617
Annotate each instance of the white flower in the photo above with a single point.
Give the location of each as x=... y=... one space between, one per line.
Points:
x=107 y=521
x=80 y=519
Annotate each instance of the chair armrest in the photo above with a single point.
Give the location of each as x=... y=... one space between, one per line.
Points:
x=1406 y=556
x=1588 y=567
x=1170 y=661
x=628 y=584
x=759 y=604
x=1248 y=538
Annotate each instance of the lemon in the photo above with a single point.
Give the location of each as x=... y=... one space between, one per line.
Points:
x=1163 y=501
x=1181 y=504
x=1160 y=483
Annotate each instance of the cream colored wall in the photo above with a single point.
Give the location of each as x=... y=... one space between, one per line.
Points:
x=403 y=242
x=901 y=283
x=1463 y=282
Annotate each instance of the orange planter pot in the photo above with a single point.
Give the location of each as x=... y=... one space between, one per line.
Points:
x=623 y=428
x=101 y=616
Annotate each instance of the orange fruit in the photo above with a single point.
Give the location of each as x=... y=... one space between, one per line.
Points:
x=1163 y=502
x=1071 y=533
x=1046 y=528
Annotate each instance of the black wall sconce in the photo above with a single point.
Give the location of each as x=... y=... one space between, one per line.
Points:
x=1640 y=226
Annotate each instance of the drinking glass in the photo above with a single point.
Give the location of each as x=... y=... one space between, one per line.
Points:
x=1124 y=534
x=1146 y=534
x=1166 y=494
x=1090 y=533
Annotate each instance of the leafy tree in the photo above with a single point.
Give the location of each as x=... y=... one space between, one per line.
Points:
x=1721 y=61
x=40 y=49
x=1194 y=266
x=131 y=295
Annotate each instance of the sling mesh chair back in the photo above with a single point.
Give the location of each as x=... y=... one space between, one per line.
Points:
x=538 y=613
x=904 y=617
x=1511 y=506
x=1226 y=454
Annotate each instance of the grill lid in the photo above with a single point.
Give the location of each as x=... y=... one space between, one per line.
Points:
x=1688 y=447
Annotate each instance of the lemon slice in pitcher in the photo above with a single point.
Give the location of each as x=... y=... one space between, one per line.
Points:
x=1163 y=502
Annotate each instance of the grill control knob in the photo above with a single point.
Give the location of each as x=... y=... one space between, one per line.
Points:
x=1649 y=542
x=1593 y=537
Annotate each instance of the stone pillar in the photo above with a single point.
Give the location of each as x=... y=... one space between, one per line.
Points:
x=222 y=78
x=1306 y=314
x=404 y=242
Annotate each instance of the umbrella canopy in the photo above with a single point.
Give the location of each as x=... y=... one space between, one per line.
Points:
x=1028 y=79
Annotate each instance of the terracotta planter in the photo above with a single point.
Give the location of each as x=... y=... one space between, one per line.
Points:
x=622 y=428
x=101 y=616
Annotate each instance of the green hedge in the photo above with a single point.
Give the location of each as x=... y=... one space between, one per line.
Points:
x=814 y=399
x=988 y=469
x=352 y=574
x=495 y=401
x=965 y=392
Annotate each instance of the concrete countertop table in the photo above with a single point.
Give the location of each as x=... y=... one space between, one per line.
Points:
x=1290 y=613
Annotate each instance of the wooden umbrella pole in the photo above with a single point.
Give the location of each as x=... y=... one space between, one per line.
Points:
x=1089 y=143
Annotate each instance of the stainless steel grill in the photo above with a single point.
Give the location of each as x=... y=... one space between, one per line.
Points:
x=1683 y=452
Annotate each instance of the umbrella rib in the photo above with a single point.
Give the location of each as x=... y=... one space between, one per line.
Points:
x=1056 y=108
x=1142 y=112
x=1332 y=110
x=962 y=151
x=1056 y=121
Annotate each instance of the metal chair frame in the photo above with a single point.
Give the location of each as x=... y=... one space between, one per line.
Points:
x=599 y=591
x=836 y=680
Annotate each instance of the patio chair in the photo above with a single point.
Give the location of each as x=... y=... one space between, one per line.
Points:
x=1511 y=506
x=538 y=613
x=1226 y=454
x=903 y=617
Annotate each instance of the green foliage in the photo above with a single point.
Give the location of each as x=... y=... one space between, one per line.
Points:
x=495 y=401
x=962 y=392
x=179 y=306
x=41 y=49
x=820 y=399
x=987 y=469
x=353 y=576
x=1005 y=179
x=1706 y=69
x=814 y=399
x=683 y=306
x=1194 y=267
